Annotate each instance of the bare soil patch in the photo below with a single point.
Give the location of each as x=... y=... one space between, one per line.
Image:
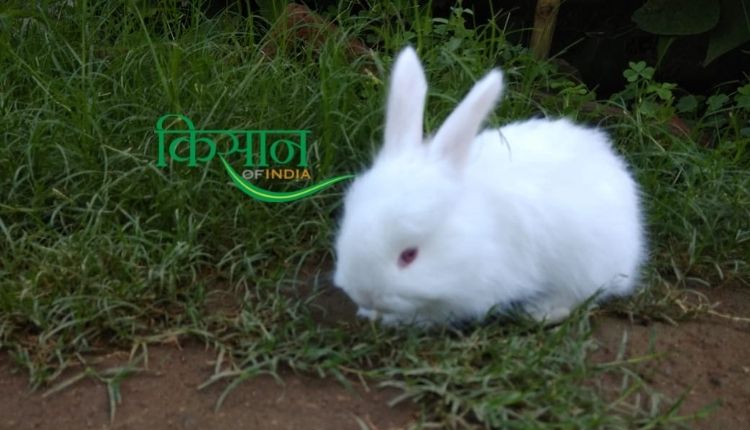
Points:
x=708 y=359
x=166 y=397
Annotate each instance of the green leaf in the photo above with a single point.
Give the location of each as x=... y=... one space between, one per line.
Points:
x=638 y=67
x=687 y=103
x=664 y=91
x=733 y=29
x=453 y=44
x=630 y=75
x=743 y=101
x=648 y=73
x=648 y=108
x=715 y=102
x=677 y=17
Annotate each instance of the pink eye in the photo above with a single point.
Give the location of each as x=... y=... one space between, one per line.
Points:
x=407 y=256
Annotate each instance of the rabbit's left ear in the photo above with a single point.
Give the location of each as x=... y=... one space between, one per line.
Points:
x=453 y=139
x=406 y=99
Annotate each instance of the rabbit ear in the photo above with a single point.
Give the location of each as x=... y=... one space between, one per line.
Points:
x=454 y=137
x=403 y=122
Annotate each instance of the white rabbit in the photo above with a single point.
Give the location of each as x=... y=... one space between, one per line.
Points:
x=539 y=213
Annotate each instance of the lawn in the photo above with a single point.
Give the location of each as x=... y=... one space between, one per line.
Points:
x=101 y=249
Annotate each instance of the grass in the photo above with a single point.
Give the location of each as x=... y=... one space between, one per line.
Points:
x=100 y=248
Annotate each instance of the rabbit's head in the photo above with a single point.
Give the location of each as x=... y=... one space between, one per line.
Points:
x=393 y=252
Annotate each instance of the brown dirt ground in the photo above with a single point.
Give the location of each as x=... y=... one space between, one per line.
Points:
x=707 y=358
x=166 y=397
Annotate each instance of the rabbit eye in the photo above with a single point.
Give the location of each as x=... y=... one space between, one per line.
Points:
x=407 y=256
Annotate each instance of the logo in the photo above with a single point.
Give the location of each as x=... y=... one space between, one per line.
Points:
x=268 y=154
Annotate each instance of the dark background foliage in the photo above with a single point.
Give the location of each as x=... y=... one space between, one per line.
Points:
x=595 y=39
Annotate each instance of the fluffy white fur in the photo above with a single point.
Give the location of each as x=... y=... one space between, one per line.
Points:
x=540 y=213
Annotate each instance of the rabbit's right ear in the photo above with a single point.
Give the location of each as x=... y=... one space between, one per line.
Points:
x=454 y=138
x=406 y=99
